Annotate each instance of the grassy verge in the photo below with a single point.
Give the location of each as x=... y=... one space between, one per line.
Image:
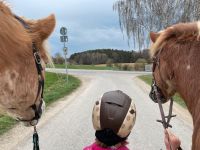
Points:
x=177 y=98
x=55 y=87
x=87 y=67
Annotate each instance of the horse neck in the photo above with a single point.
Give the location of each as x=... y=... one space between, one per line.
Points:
x=187 y=79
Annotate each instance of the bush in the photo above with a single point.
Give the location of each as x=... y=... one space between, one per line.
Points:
x=125 y=67
x=139 y=66
x=141 y=60
x=109 y=63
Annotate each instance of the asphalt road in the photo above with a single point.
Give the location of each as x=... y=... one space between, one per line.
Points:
x=68 y=126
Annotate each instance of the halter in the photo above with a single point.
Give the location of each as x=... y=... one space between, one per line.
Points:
x=157 y=96
x=40 y=90
x=38 y=111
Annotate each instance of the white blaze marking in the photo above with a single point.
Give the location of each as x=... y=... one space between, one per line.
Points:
x=188 y=67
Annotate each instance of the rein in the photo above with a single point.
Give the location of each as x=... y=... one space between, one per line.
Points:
x=165 y=120
x=40 y=90
x=156 y=96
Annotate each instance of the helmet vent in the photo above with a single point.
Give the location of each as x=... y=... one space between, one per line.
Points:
x=114 y=104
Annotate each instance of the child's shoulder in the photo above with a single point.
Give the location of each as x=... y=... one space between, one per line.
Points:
x=123 y=148
x=94 y=146
x=88 y=148
x=91 y=147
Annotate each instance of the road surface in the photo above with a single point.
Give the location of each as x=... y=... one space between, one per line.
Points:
x=68 y=125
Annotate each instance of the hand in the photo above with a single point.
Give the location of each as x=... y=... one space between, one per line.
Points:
x=171 y=139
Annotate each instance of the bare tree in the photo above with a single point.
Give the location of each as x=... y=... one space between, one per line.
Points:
x=138 y=17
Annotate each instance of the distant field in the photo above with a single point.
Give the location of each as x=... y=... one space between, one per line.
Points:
x=117 y=66
x=87 y=67
x=130 y=64
x=177 y=98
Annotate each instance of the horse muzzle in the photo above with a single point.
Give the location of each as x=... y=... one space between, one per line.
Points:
x=156 y=94
x=38 y=113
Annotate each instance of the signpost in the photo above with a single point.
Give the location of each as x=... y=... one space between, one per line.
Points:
x=64 y=39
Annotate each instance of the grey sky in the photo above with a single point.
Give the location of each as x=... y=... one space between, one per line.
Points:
x=91 y=24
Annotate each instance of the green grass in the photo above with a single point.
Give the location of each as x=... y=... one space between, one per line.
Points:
x=87 y=67
x=55 y=87
x=6 y=123
x=148 y=79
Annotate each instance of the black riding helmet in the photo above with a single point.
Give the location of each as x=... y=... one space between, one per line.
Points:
x=113 y=117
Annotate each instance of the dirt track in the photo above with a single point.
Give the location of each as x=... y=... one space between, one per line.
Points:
x=68 y=126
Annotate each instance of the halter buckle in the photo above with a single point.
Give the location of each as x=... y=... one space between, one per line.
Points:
x=37 y=58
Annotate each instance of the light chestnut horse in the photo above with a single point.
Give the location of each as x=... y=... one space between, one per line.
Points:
x=178 y=50
x=18 y=73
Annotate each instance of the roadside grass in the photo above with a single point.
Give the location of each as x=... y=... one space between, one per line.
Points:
x=148 y=79
x=87 y=67
x=56 y=87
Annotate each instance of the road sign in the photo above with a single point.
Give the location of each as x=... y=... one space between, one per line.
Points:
x=63 y=31
x=64 y=38
x=65 y=50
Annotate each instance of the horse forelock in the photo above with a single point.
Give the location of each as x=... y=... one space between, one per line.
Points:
x=15 y=40
x=5 y=6
x=179 y=32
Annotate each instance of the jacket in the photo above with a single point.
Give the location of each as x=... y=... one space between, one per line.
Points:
x=94 y=146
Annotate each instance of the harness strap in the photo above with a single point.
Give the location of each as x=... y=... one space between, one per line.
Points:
x=165 y=119
x=35 y=140
x=22 y=22
x=38 y=64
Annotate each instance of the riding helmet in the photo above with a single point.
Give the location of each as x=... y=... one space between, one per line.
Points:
x=114 y=112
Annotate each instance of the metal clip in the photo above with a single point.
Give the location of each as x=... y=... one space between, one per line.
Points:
x=37 y=58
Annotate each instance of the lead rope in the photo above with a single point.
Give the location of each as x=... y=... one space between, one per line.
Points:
x=165 y=122
x=35 y=140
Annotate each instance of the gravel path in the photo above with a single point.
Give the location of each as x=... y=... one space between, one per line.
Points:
x=68 y=125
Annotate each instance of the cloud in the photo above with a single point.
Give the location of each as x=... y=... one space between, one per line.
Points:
x=91 y=24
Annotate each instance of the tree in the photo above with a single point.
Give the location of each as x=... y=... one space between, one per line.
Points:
x=58 y=59
x=138 y=17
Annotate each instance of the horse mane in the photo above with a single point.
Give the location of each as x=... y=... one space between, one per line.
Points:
x=180 y=32
x=13 y=37
x=15 y=40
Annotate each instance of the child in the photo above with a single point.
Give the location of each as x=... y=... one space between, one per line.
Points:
x=113 y=119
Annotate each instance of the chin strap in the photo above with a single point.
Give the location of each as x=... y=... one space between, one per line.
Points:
x=35 y=140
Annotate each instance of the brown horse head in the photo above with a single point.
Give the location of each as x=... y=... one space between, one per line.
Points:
x=176 y=51
x=18 y=72
x=162 y=74
x=166 y=47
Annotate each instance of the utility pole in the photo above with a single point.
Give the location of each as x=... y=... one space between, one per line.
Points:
x=64 y=39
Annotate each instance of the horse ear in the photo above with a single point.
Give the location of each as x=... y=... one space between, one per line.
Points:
x=154 y=36
x=46 y=26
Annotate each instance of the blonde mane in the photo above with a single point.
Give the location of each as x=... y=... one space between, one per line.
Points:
x=180 y=32
x=14 y=37
x=15 y=40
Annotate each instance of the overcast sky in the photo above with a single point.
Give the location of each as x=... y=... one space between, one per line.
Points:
x=91 y=24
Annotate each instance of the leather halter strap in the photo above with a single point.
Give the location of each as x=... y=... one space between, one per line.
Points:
x=38 y=65
x=165 y=120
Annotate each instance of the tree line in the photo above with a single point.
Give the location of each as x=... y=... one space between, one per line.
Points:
x=104 y=56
